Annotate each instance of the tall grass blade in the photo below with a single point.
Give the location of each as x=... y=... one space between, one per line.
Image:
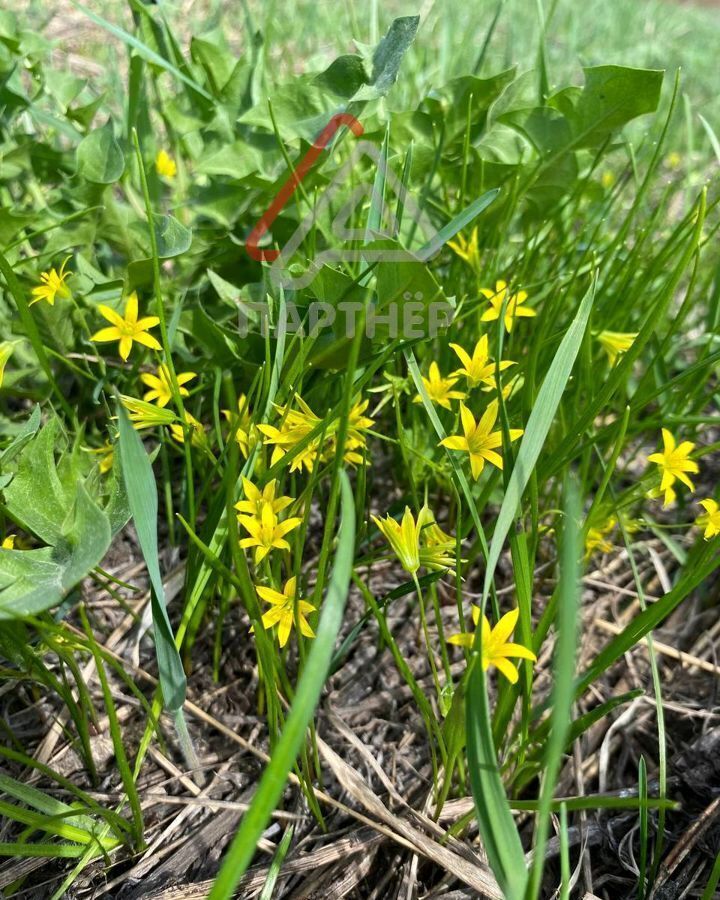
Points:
x=563 y=674
x=143 y=501
x=538 y=426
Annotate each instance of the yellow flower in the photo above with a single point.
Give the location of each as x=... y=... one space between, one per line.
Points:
x=198 y=438
x=439 y=389
x=53 y=285
x=161 y=386
x=165 y=165
x=495 y=647
x=255 y=499
x=295 y=426
x=674 y=463
x=616 y=342
x=8 y=543
x=607 y=179
x=358 y=423
x=507 y=389
x=106 y=455
x=479 y=440
x=513 y=310
x=283 y=611
x=6 y=350
x=467 y=250
x=355 y=440
x=673 y=159
x=146 y=415
x=245 y=433
x=478 y=368
x=418 y=543
x=128 y=328
x=710 y=519
x=596 y=538
x=266 y=532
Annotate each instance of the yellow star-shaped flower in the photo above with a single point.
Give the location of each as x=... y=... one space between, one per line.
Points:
x=418 y=543
x=467 y=250
x=161 y=387
x=710 y=519
x=478 y=368
x=256 y=499
x=513 y=310
x=479 y=440
x=53 y=285
x=266 y=532
x=616 y=342
x=284 y=608
x=495 y=648
x=674 y=463
x=439 y=389
x=128 y=328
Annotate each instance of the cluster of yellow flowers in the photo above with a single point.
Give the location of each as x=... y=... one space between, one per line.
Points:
x=478 y=440
x=674 y=463
x=421 y=543
x=259 y=514
x=300 y=433
x=418 y=543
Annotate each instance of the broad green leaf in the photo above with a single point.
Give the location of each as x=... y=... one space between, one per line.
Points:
x=388 y=55
x=34 y=580
x=26 y=433
x=56 y=500
x=611 y=97
x=172 y=237
x=344 y=76
x=99 y=157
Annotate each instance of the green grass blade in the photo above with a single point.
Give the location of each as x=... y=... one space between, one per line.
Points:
x=143 y=501
x=538 y=426
x=713 y=881
x=143 y=50
x=51 y=851
x=276 y=864
x=564 y=675
x=311 y=683
x=497 y=827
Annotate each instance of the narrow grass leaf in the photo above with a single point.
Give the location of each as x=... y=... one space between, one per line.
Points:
x=538 y=426
x=143 y=501
x=143 y=50
x=497 y=827
x=564 y=673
